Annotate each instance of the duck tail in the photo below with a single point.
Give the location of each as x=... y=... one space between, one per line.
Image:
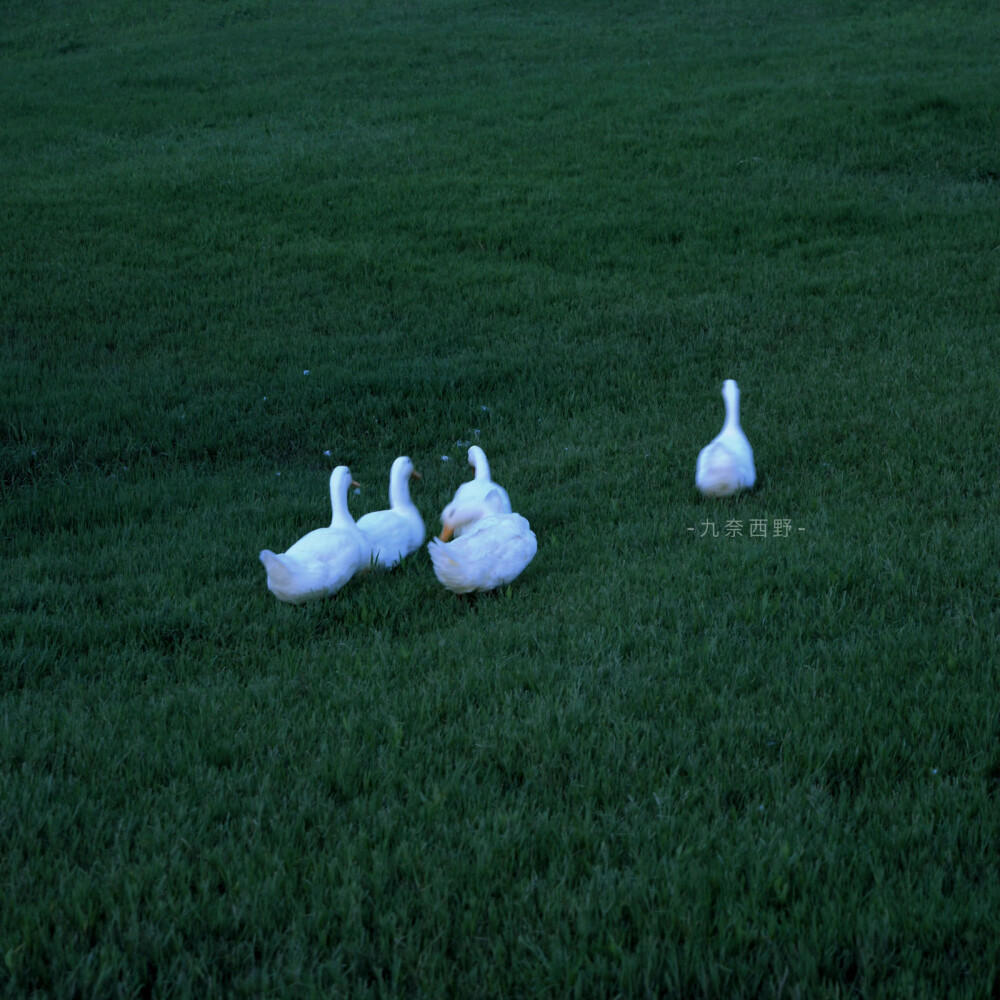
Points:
x=448 y=570
x=279 y=576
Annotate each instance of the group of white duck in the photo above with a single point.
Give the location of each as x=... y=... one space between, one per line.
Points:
x=483 y=544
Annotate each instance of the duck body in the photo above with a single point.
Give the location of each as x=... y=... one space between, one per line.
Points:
x=395 y=533
x=474 y=493
x=323 y=560
x=725 y=465
x=493 y=548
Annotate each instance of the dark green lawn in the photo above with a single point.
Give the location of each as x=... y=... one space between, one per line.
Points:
x=244 y=242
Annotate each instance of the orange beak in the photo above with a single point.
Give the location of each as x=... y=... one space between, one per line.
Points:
x=355 y=485
x=446 y=532
x=415 y=475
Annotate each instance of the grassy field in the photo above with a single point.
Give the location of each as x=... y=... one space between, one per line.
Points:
x=245 y=241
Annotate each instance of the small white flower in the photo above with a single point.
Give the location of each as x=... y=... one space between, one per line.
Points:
x=277 y=473
x=445 y=458
x=485 y=409
x=357 y=491
x=305 y=371
x=934 y=770
x=328 y=453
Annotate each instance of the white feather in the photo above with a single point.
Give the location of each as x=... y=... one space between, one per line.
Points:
x=323 y=560
x=394 y=533
x=725 y=465
x=493 y=549
x=474 y=492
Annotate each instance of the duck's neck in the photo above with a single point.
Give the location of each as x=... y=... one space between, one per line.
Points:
x=480 y=464
x=338 y=501
x=731 y=395
x=399 y=492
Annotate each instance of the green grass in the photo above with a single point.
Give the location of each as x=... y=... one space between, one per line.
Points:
x=658 y=764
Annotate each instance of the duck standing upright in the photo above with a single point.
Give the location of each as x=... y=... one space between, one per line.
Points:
x=491 y=546
x=472 y=494
x=725 y=465
x=398 y=531
x=323 y=560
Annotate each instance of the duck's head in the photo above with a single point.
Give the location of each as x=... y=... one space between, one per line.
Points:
x=402 y=470
x=458 y=516
x=449 y=521
x=400 y=474
x=731 y=397
x=341 y=480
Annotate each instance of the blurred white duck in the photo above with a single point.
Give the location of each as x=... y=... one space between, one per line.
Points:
x=322 y=561
x=725 y=464
x=398 y=531
x=471 y=495
x=491 y=546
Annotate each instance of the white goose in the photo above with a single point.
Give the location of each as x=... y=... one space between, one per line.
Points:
x=493 y=547
x=322 y=561
x=398 y=531
x=725 y=464
x=472 y=494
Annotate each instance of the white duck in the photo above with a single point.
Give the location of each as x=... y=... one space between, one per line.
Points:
x=472 y=494
x=494 y=547
x=725 y=464
x=322 y=561
x=398 y=531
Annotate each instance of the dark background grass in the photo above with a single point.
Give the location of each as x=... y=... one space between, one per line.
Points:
x=661 y=763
